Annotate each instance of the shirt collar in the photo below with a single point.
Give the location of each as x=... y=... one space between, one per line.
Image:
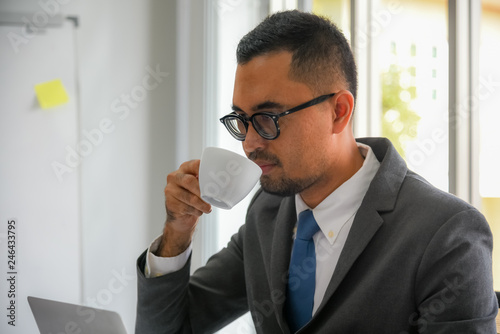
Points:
x=343 y=203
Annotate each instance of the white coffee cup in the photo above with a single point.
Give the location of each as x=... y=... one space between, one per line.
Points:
x=226 y=177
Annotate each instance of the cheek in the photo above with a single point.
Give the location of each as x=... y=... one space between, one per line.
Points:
x=315 y=133
x=310 y=150
x=299 y=157
x=301 y=145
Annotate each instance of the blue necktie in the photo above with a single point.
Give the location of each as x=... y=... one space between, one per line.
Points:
x=302 y=273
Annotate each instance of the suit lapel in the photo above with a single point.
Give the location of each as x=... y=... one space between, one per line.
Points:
x=365 y=225
x=380 y=197
x=280 y=255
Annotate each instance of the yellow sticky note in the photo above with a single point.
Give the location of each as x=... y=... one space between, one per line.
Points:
x=51 y=94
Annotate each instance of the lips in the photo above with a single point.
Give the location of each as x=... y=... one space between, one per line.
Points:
x=265 y=166
x=265 y=160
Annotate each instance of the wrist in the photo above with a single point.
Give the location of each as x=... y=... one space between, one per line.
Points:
x=173 y=243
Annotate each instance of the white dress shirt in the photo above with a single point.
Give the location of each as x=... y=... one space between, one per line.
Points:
x=334 y=216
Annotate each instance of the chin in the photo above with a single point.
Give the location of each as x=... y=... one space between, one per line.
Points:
x=282 y=187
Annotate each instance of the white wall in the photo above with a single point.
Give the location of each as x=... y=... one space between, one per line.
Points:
x=122 y=179
x=122 y=183
x=45 y=212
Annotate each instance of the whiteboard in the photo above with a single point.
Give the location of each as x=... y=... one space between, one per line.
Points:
x=45 y=209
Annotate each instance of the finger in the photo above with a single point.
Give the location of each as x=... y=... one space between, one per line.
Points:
x=191 y=167
x=186 y=176
x=190 y=183
x=177 y=208
x=183 y=179
x=178 y=182
x=191 y=200
x=187 y=196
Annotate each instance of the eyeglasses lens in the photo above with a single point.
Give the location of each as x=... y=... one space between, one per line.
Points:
x=236 y=127
x=265 y=126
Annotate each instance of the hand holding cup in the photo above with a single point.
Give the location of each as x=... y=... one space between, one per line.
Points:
x=222 y=178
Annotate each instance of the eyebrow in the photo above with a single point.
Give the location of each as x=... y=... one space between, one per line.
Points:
x=263 y=106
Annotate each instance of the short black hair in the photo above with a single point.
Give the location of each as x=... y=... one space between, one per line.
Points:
x=321 y=54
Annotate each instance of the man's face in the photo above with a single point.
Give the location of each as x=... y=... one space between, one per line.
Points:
x=300 y=157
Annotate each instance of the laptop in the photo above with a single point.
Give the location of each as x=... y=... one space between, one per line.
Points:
x=53 y=317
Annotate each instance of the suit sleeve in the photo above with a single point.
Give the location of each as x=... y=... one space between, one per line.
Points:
x=454 y=287
x=208 y=300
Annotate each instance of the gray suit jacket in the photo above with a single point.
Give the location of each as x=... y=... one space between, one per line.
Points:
x=417 y=260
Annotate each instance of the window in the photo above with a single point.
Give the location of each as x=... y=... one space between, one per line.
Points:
x=339 y=11
x=489 y=100
x=411 y=65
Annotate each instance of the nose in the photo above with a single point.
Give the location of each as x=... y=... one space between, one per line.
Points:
x=253 y=140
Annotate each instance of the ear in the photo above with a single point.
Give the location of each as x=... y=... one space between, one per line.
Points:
x=343 y=104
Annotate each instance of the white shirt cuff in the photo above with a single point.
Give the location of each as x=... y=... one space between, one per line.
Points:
x=159 y=266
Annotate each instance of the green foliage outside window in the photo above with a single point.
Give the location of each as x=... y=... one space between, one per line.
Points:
x=399 y=121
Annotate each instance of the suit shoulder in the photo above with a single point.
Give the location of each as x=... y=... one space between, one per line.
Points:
x=422 y=194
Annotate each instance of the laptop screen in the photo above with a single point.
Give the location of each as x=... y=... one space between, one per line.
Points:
x=53 y=317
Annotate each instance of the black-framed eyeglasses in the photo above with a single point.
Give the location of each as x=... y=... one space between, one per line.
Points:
x=265 y=123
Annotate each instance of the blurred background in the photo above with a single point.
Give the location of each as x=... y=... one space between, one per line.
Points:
x=100 y=100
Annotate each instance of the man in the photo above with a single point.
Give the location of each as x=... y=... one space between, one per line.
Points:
x=390 y=253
